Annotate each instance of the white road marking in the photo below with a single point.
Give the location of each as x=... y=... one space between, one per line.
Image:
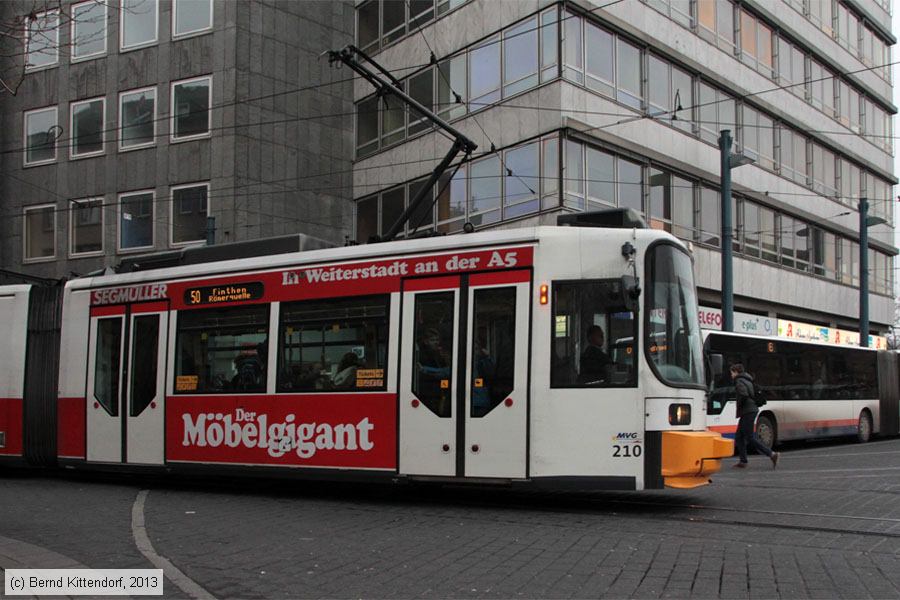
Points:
x=142 y=541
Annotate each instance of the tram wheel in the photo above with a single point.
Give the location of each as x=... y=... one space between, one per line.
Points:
x=766 y=432
x=864 y=428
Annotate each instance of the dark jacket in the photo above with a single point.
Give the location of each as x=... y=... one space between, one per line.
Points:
x=745 y=392
x=595 y=365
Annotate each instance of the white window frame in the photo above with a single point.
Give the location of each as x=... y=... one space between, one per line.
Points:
x=172 y=190
x=25 y=115
x=122 y=147
x=25 y=211
x=28 y=22
x=72 y=205
x=154 y=41
x=124 y=195
x=98 y=54
x=172 y=138
x=193 y=32
x=72 y=105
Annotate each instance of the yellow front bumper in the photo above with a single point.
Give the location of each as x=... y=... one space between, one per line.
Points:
x=690 y=457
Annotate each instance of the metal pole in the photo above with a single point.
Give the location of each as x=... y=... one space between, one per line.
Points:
x=864 y=272
x=727 y=232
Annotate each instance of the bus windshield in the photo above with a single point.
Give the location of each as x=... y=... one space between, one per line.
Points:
x=673 y=344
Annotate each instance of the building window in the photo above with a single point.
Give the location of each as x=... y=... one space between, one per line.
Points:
x=191 y=16
x=549 y=44
x=658 y=86
x=599 y=51
x=716 y=20
x=335 y=344
x=137 y=119
x=522 y=182
x=628 y=74
x=367 y=26
x=660 y=209
x=191 y=100
x=520 y=57
x=451 y=202
x=421 y=89
x=393 y=120
x=484 y=73
x=41 y=132
x=40 y=232
x=484 y=205
x=139 y=22
x=367 y=126
x=793 y=156
x=710 y=217
x=136 y=220
x=190 y=208
x=600 y=168
x=42 y=44
x=716 y=112
x=452 y=87
x=823 y=175
x=222 y=350
x=393 y=20
x=86 y=227
x=88 y=118
x=88 y=30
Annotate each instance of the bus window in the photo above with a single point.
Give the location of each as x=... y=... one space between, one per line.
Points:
x=433 y=351
x=592 y=336
x=334 y=344
x=222 y=350
x=493 y=352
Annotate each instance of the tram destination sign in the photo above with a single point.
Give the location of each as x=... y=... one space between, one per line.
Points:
x=223 y=294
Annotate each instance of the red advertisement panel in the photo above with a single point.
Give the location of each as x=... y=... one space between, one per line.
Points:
x=11 y=425
x=355 y=431
x=70 y=438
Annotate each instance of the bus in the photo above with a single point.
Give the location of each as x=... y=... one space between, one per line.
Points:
x=443 y=359
x=812 y=389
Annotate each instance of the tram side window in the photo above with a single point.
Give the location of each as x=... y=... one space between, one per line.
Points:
x=107 y=364
x=222 y=350
x=335 y=344
x=433 y=351
x=494 y=350
x=593 y=336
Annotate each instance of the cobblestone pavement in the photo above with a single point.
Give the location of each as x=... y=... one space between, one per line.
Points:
x=826 y=524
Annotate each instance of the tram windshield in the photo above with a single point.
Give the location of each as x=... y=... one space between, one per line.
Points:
x=673 y=342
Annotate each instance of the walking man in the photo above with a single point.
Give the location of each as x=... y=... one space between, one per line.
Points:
x=746 y=414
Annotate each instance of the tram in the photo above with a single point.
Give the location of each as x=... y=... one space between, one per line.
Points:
x=456 y=358
x=813 y=390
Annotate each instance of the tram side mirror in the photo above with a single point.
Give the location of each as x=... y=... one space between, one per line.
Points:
x=631 y=292
x=716 y=364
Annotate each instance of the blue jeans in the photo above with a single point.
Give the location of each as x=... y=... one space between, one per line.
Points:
x=746 y=435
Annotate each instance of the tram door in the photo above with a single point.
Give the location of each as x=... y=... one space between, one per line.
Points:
x=126 y=383
x=464 y=375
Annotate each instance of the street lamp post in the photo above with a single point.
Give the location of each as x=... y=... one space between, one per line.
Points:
x=865 y=221
x=728 y=161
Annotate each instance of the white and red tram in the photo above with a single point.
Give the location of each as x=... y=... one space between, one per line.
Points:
x=446 y=358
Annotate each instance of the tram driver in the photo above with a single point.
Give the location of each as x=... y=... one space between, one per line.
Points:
x=595 y=362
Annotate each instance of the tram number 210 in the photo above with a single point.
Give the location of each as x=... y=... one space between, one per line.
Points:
x=626 y=451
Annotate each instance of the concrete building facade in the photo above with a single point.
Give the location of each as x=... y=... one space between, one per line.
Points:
x=582 y=105
x=135 y=120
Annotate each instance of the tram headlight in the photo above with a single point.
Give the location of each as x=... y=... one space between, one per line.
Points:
x=679 y=414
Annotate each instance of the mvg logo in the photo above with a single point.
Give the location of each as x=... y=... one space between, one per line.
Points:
x=631 y=436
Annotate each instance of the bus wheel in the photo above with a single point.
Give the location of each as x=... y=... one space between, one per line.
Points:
x=864 y=429
x=766 y=432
